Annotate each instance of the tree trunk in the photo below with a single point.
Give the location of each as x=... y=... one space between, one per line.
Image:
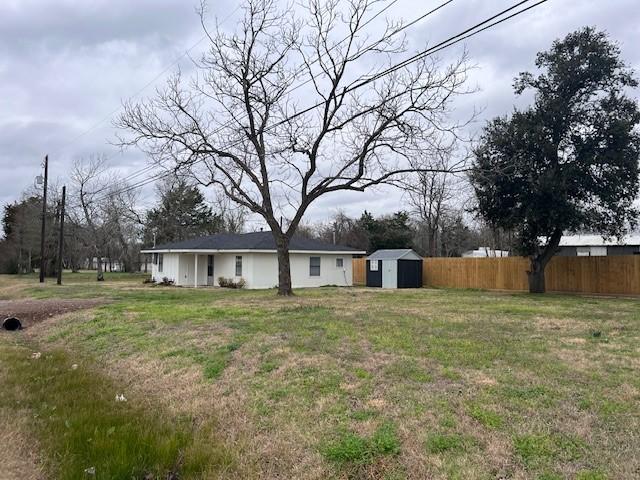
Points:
x=284 y=267
x=100 y=275
x=539 y=262
x=536 y=275
x=433 y=242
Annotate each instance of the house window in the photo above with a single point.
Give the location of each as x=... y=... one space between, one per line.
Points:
x=155 y=258
x=373 y=265
x=238 y=266
x=160 y=261
x=314 y=266
x=339 y=262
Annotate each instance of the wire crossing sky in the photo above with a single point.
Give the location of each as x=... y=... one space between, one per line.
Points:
x=66 y=65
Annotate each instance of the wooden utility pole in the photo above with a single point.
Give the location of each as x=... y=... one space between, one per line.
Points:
x=44 y=216
x=61 y=239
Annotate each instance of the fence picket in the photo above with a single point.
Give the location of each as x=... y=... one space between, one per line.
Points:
x=607 y=275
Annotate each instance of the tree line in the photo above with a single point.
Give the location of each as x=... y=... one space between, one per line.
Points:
x=105 y=226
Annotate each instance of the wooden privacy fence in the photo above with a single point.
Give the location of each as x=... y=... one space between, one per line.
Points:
x=608 y=275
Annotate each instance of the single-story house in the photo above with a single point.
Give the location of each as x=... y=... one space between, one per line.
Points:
x=253 y=258
x=598 y=246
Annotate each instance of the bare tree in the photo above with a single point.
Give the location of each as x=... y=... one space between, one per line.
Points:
x=234 y=216
x=238 y=125
x=121 y=220
x=436 y=196
x=88 y=178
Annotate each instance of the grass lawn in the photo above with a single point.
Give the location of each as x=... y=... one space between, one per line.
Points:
x=334 y=383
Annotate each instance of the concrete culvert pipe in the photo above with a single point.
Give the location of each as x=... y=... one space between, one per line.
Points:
x=11 y=323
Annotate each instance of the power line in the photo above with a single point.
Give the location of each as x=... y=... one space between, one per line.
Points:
x=468 y=33
x=312 y=77
x=301 y=69
x=430 y=51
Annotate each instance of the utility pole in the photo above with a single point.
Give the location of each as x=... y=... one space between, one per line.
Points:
x=61 y=240
x=44 y=216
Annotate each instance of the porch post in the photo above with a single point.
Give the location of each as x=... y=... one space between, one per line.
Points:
x=195 y=282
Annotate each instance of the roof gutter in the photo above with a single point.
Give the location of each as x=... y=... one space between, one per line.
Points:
x=210 y=251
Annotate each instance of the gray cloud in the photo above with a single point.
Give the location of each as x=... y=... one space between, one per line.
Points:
x=67 y=64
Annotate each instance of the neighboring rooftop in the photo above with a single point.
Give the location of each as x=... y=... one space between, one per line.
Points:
x=250 y=241
x=598 y=241
x=485 y=252
x=395 y=254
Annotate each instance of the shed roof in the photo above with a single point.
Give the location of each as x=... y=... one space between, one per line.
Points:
x=249 y=241
x=395 y=254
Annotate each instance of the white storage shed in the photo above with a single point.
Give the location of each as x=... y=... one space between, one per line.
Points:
x=400 y=268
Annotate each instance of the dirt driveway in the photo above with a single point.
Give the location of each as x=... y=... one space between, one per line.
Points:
x=30 y=312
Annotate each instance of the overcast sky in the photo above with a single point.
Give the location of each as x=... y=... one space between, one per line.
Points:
x=67 y=65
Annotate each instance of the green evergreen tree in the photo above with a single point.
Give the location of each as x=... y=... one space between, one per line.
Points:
x=181 y=214
x=570 y=161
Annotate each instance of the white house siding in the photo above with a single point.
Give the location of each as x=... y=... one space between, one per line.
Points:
x=329 y=273
x=169 y=268
x=264 y=271
x=259 y=270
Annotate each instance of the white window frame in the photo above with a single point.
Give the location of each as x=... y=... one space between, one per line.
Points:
x=373 y=265
x=311 y=267
x=238 y=265
x=339 y=262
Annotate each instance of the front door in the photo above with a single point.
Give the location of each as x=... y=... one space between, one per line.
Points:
x=210 y=270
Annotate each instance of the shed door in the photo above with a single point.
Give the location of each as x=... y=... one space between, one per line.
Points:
x=389 y=274
x=374 y=273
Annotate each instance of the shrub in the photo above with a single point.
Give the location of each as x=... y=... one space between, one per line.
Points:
x=166 y=282
x=230 y=283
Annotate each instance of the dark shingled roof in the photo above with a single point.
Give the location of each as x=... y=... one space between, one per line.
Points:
x=249 y=241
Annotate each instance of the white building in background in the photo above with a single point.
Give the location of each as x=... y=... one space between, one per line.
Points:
x=484 y=252
x=598 y=246
x=253 y=258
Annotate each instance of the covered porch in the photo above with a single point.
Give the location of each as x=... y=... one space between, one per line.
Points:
x=196 y=270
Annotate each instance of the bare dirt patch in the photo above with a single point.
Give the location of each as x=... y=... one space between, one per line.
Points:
x=31 y=312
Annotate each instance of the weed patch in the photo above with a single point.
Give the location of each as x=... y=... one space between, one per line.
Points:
x=439 y=443
x=485 y=417
x=352 y=448
x=83 y=428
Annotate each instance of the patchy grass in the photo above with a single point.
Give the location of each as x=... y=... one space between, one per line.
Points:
x=365 y=383
x=439 y=443
x=85 y=432
x=351 y=447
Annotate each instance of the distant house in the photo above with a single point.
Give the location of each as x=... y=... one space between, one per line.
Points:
x=598 y=246
x=483 y=252
x=253 y=258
